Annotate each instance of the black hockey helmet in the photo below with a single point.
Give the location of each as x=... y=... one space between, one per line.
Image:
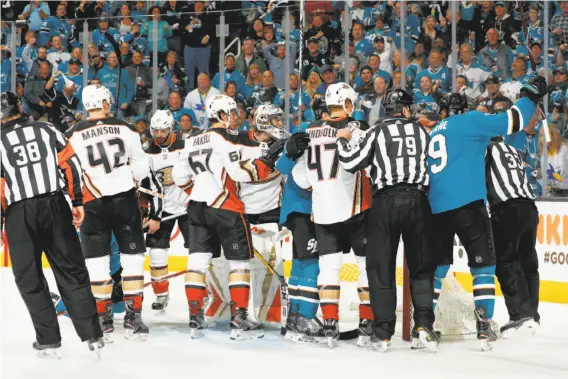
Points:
x=319 y=107
x=10 y=104
x=396 y=100
x=453 y=102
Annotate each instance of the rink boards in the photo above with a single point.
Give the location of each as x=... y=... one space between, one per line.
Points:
x=552 y=248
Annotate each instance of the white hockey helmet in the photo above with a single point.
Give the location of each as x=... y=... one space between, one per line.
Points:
x=264 y=118
x=162 y=120
x=338 y=93
x=220 y=103
x=94 y=96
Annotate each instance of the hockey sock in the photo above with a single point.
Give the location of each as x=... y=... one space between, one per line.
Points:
x=365 y=310
x=484 y=288
x=308 y=295
x=159 y=270
x=239 y=283
x=439 y=276
x=101 y=283
x=133 y=281
x=114 y=259
x=195 y=285
x=295 y=275
x=328 y=284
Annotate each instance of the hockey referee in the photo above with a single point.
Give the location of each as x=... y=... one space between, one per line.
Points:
x=514 y=220
x=396 y=151
x=37 y=164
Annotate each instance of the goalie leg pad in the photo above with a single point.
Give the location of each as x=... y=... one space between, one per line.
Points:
x=328 y=284
x=239 y=283
x=484 y=288
x=365 y=310
x=308 y=296
x=195 y=285
x=133 y=279
x=159 y=270
x=439 y=276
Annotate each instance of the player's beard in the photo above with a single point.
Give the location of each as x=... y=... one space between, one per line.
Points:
x=162 y=140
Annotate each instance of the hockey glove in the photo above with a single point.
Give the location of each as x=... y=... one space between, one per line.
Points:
x=271 y=155
x=535 y=89
x=296 y=145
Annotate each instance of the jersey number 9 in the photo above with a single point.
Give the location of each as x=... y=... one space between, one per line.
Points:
x=437 y=150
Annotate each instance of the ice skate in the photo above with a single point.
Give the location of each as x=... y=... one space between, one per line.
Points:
x=197 y=323
x=512 y=327
x=303 y=330
x=416 y=343
x=331 y=332
x=49 y=351
x=96 y=344
x=160 y=304
x=242 y=327
x=135 y=327
x=485 y=333
x=427 y=338
x=380 y=345
x=107 y=324
x=365 y=332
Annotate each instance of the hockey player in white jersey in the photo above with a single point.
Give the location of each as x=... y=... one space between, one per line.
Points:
x=339 y=202
x=163 y=152
x=215 y=161
x=113 y=161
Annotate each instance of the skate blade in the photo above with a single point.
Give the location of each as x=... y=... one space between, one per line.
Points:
x=49 y=354
x=485 y=345
x=381 y=346
x=241 y=335
x=196 y=333
x=133 y=336
x=301 y=338
x=159 y=312
x=107 y=338
x=364 y=341
x=332 y=342
x=416 y=344
x=526 y=329
x=430 y=345
x=97 y=350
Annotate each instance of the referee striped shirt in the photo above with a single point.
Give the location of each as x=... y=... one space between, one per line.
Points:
x=37 y=159
x=395 y=150
x=505 y=174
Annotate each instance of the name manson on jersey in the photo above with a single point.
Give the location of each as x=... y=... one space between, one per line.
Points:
x=95 y=132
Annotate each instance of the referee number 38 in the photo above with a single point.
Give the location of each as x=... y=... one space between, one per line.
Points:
x=28 y=153
x=437 y=150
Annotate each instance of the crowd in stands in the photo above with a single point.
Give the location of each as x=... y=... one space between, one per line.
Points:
x=499 y=46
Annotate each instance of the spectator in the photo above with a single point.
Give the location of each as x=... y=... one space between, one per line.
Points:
x=482 y=15
x=175 y=106
x=339 y=61
x=556 y=162
x=197 y=99
x=397 y=80
x=230 y=73
x=34 y=92
x=463 y=28
x=536 y=57
x=58 y=26
x=375 y=64
x=100 y=39
x=141 y=125
x=534 y=28
x=96 y=64
x=462 y=87
x=506 y=26
x=254 y=32
x=313 y=82
x=73 y=75
x=373 y=105
x=429 y=33
x=197 y=42
x=231 y=90
x=125 y=54
x=242 y=123
x=138 y=42
x=125 y=21
x=35 y=12
x=278 y=61
x=512 y=86
x=65 y=109
x=41 y=57
x=268 y=33
x=28 y=52
x=108 y=75
x=559 y=25
x=93 y=11
x=254 y=80
x=5 y=71
x=185 y=126
x=491 y=94
x=313 y=58
x=56 y=54
x=362 y=45
x=326 y=35
x=328 y=76
x=266 y=93
x=364 y=82
x=384 y=51
x=171 y=71
x=294 y=34
x=496 y=57
x=141 y=76
x=160 y=36
x=76 y=53
x=439 y=74
x=380 y=29
x=249 y=57
x=473 y=71
x=20 y=94
x=171 y=12
x=557 y=91
x=294 y=94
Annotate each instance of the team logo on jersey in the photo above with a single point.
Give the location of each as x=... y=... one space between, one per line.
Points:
x=312 y=245
x=165 y=176
x=233 y=132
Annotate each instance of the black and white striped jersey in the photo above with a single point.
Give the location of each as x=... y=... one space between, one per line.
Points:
x=505 y=174
x=37 y=159
x=394 y=151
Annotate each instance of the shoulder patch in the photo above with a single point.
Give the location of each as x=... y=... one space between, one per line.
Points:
x=231 y=131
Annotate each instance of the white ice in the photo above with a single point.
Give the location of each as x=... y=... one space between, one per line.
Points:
x=170 y=353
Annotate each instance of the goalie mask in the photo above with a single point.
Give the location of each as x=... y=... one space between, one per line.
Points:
x=161 y=125
x=268 y=119
x=337 y=94
x=95 y=95
x=218 y=104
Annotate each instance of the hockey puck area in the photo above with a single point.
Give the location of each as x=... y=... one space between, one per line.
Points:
x=169 y=349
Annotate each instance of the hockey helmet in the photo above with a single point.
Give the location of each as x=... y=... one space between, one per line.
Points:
x=396 y=100
x=95 y=95
x=338 y=93
x=453 y=102
x=319 y=107
x=11 y=104
x=218 y=104
x=162 y=120
x=266 y=119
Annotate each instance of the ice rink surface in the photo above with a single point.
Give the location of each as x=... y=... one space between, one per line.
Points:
x=170 y=353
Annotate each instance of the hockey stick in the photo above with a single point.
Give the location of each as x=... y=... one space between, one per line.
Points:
x=116 y=48
x=545 y=126
x=159 y=195
x=171 y=217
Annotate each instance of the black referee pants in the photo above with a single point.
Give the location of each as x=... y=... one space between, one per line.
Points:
x=399 y=210
x=44 y=225
x=514 y=225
